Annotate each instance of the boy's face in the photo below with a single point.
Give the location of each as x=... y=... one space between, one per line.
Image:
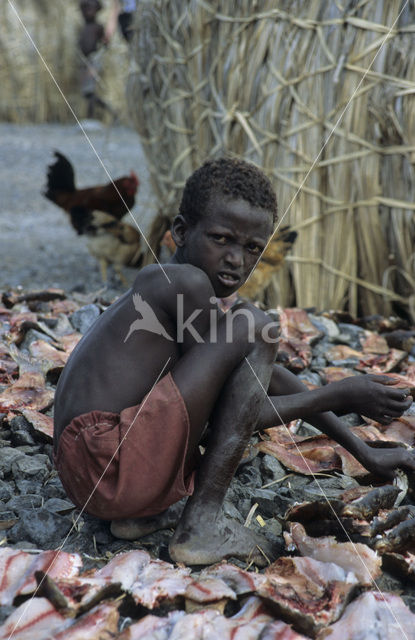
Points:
x=227 y=241
x=89 y=10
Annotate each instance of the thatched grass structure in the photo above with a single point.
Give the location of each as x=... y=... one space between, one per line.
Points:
x=269 y=80
x=27 y=91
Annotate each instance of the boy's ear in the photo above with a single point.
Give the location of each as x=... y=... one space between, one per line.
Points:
x=179 y=230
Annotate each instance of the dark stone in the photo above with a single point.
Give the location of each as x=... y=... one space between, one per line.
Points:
x=25 y=545
x=231 y=511
x=29 y=501
x=273 y=526
x=270 y=503
x=57 y=505
x=53 y=488
x=249 y=476
x=29 y=450
x=29 y=486
x=31 y=336
x=28 y=467
x=19 y=423
x=84 y=318
x=103 y=536
x=318 y=362
x=271 y=468
x=48 y=451
x=7 y=457
x=40 y=526
x=6 y=491
x=20 y=437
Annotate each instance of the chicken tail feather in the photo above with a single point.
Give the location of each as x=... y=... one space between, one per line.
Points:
x=60 y=177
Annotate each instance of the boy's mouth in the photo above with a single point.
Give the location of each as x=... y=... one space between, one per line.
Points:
x=228 y=279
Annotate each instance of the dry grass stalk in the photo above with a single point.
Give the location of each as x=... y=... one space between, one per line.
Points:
x=27 y=91
x=268 y=80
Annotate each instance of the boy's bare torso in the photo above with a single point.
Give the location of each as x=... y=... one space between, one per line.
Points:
x=113 y=373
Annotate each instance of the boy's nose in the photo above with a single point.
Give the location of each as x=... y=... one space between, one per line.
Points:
x=234 y=257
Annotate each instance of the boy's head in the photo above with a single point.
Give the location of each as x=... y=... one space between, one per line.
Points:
x=226 y=218
x=231 y=177
x=89 y=9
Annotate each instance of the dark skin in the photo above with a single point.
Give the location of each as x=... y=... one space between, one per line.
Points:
x=215 y=378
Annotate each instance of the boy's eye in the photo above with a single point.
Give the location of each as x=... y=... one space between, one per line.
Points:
x=219 y=239
x=254 y=248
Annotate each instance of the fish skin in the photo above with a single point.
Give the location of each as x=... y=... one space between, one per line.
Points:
x=373 y=616
x=152 y=627
x=400 y=538
x=307 y=593
x=369 y=505
x=17 y=570
x=35 y=619
x=13 y=565
x=101 y=623
x=326 y=549
x=379 y=524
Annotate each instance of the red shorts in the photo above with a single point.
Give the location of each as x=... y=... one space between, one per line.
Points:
x=131 y=464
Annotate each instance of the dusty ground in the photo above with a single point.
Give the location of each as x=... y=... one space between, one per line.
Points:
x=38 y=247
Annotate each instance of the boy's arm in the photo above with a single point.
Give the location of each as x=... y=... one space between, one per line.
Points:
x=112 y=20
x=298 y=402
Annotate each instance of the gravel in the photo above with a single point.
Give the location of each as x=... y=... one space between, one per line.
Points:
x=38 y=246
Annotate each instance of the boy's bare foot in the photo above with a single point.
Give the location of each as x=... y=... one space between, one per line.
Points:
x=134 y=528
x=219 y=540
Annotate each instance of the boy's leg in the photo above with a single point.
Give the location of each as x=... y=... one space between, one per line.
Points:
x=216 y=381
x=204 y=535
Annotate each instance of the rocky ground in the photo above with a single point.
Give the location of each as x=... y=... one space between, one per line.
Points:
x=39 y=250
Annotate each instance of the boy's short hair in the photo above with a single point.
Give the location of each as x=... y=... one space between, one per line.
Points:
x=95 y=3
x=232 y=177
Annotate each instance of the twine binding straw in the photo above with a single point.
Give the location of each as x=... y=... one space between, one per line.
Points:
x=267 y=81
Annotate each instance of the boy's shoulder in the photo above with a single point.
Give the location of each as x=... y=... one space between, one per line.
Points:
x=170 y=273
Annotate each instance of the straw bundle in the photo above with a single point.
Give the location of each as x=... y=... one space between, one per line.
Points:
x=269 y=80
x=27 y=91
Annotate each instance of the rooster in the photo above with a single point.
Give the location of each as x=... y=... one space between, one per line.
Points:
x=115 y=198
x=109 y=240
x=96 y=212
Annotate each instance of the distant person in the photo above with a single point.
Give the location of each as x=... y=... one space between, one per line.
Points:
x=122 y=12
x=91 y=41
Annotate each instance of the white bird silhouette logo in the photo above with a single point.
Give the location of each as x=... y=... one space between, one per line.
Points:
x=148 y=320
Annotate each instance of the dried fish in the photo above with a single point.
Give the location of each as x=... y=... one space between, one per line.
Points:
x=100 y=623
x=374 y=343
x=358 y=557
x=29 y=391
x=152 y=627
x=400 y=538
x=307 y=593
x=390 y=519
x=334 y=374
x=51 y=360
x=17 y=570
x=42 y=425
x=369 y=505
x=372 y=616
x=36 y=619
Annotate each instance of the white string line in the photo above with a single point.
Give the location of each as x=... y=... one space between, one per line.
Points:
x=327 y=500
x=328 y=138
x=86 y=135
x=59 y=549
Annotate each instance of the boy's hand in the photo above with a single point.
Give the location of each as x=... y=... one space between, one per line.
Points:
x=383 y=462
x=374 y=396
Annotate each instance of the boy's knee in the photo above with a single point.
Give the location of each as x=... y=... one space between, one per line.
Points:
x=256 y=326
